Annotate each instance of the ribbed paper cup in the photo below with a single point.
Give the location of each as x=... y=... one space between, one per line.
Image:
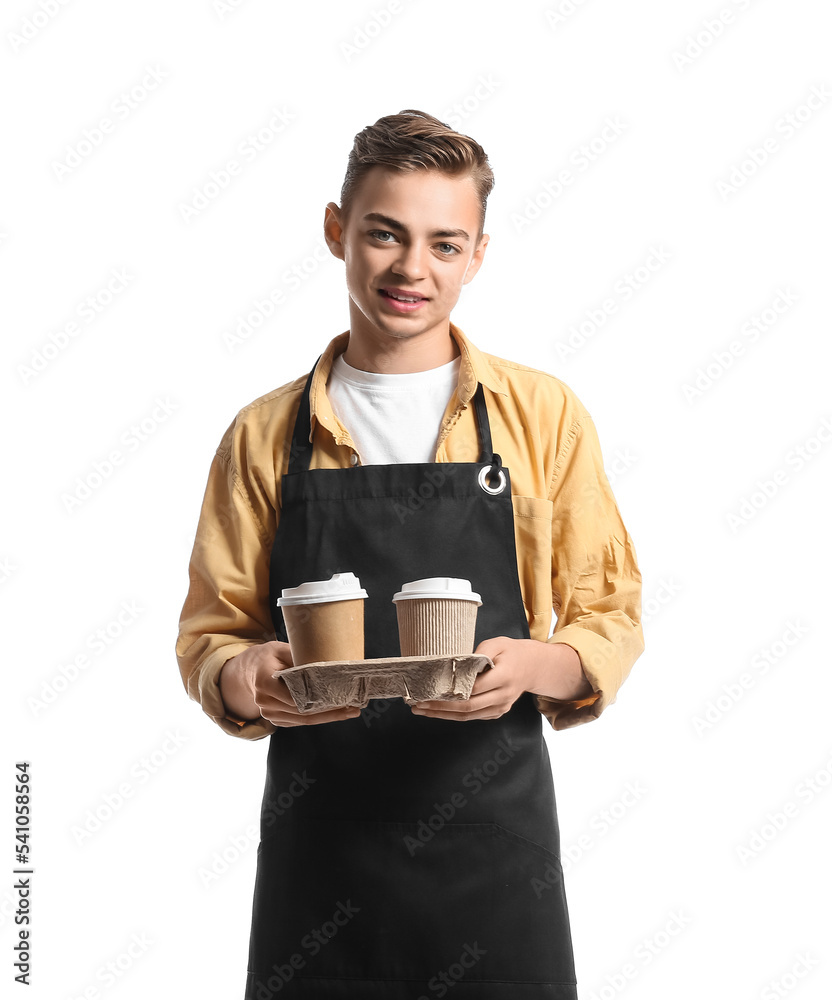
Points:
x=436 y=626
x=437 y=617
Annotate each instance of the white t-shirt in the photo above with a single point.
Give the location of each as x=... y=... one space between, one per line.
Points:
x=392 y=418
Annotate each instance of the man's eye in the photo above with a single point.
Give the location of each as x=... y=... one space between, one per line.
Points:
x=379 y=233
x=448 y=248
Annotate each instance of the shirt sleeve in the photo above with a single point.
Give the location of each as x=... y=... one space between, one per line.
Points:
x=596 y=583
x=226 y=609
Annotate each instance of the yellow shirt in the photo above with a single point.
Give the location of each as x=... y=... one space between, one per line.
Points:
x=573 y=552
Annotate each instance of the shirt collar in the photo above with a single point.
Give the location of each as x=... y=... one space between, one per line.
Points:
x=320 y=409
x=474 y=367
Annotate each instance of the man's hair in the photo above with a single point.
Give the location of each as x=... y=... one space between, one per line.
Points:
x=413 y=140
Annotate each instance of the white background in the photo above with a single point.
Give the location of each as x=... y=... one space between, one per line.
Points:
x=708 y=878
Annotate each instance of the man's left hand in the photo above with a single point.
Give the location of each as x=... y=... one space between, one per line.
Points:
x=551 y=669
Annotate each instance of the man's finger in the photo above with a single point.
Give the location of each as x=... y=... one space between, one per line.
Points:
x=453 y=716
x=311 y=718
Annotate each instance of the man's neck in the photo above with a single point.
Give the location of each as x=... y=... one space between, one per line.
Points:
x=400 y=356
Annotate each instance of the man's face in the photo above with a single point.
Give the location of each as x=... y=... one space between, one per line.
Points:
x=412 y=234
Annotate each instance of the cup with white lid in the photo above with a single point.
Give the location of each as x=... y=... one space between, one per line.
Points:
x=437 y=617
x=325 y=619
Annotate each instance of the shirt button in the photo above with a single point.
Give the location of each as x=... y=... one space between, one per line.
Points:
x=353 y=459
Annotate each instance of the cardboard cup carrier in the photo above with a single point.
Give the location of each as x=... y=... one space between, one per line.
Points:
x=325 y=619
x=437 y=617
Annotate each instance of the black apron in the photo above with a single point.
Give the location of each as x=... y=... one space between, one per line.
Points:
x=403 y=856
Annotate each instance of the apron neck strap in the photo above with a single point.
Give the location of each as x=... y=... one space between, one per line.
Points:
x=300 y=455
x=301 y=452
x=483 y=426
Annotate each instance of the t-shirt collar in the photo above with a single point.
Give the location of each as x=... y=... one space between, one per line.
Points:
x=474 y=368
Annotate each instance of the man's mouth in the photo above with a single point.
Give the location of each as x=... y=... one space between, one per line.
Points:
x=402 y=296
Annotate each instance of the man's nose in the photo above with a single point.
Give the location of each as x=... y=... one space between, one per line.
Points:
x=412 y=261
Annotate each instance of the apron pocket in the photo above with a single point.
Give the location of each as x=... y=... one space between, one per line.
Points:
x=410 y=900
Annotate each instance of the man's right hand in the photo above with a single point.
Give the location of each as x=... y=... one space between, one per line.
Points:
x=251 y=687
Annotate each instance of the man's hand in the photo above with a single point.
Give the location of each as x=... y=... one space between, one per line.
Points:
x=251 y=686
x=551 y=669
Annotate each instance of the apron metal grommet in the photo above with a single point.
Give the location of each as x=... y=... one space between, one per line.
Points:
x=483 y=480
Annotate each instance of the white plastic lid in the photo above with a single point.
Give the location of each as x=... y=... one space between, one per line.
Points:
x=341 y=587
x=438 y=586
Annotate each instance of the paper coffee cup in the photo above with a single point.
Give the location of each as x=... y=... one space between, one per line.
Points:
x=437 y=617
x=325 y=619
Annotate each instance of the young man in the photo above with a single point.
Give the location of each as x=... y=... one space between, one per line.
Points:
x=408 y=849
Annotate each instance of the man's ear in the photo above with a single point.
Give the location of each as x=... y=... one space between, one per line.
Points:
x=333 y=231
x=476 y=260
